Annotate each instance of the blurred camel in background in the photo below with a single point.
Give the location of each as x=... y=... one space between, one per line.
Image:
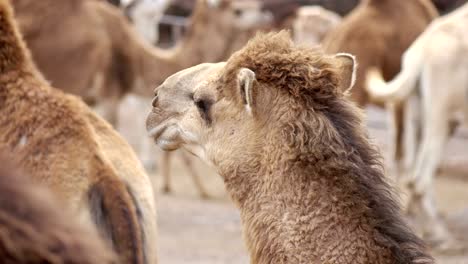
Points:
x=378 y=32
x=88 y=48
x=145 y=15
x=434 y=71
x=312 y=23
x=62 y=144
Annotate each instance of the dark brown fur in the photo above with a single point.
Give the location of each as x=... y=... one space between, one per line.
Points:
x=34 y=229
x=112 y=206
x=319 y=152
x=62 y=144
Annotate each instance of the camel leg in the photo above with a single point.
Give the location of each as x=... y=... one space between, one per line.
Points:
x=146 y=153
x=422 y=208
x=398 y=151
x=410 y=134
x=391 y=140
x=196 y=178
x=165 y=171
x=435 y=135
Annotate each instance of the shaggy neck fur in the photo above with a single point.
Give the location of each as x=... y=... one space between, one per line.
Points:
x=323 y=198
x=311 y=188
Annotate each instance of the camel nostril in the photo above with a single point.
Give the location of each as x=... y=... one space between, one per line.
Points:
x=154 y=102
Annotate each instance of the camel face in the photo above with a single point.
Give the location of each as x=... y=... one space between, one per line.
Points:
x=248 y=14
x=217 y=111
x=188 y=112
x=242 y=15
x=182 y=107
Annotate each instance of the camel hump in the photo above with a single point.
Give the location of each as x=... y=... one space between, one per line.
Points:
x=119 y=218
x=13 y=54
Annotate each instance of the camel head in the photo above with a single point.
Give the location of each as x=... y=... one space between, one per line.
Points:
x=312 y=23
x=249 y=13
x=228 y=110
x=241 y=14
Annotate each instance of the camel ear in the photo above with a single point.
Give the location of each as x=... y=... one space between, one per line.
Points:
x=347 y=66
x=245 y=81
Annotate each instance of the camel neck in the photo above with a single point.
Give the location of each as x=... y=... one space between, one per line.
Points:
x=317 y=190
x=300 y=218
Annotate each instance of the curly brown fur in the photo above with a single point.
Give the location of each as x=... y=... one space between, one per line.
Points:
x=34 y=229
x=298 y=163
x=62 y=144
x=327 y=143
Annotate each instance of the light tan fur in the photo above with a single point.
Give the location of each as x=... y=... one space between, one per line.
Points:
x=62 y=144
x=275 y=122
x=434 y=71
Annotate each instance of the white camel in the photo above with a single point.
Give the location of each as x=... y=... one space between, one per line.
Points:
x=434 y=71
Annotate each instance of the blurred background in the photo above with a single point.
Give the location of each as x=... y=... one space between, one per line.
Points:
x=116 y=57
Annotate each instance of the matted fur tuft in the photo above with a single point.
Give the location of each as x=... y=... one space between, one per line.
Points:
x=275 y=60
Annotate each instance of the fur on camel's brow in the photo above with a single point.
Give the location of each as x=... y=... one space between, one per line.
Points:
x=275 y=60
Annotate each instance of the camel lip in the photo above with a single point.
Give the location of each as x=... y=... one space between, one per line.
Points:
x=167 y=145
x=164 y=137
x=157 y=131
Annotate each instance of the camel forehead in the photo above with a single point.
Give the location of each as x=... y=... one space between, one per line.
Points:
x=191 y=78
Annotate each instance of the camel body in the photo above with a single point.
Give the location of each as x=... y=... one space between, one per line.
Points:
x=61 y=143
x=33 y=226
x=88 y=48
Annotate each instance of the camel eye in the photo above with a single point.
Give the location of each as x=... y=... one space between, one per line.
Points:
x=204 y=106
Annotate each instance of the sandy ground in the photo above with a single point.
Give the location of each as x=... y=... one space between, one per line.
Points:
x=192 y=230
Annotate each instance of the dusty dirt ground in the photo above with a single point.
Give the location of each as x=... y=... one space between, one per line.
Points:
x=192 y=230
